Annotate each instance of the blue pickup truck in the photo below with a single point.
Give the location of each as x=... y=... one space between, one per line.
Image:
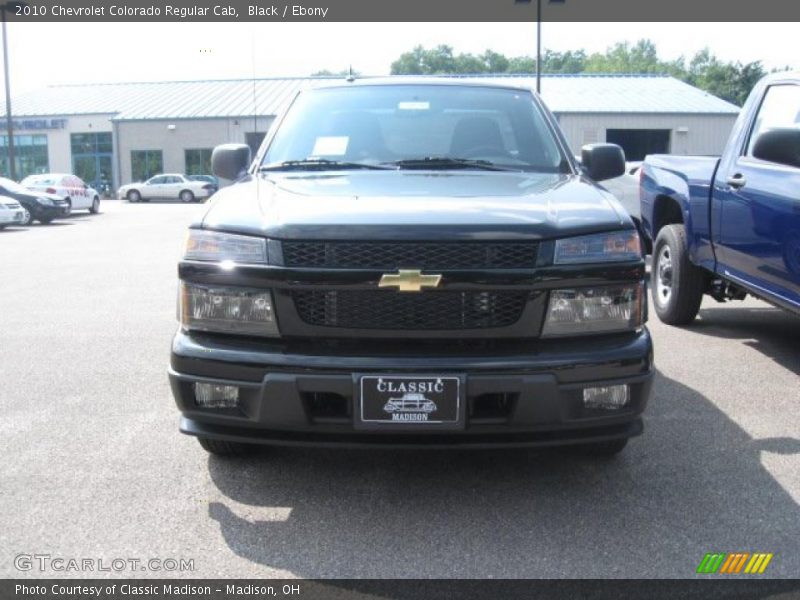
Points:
x=729 y=226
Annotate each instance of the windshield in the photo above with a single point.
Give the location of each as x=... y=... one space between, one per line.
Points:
x=396 y=124
x=39 y=180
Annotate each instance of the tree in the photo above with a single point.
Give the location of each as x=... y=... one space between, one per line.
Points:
x=522 y=64
x=442 y=60
x=426 y=62
x=642 y=57
x=728 y=80
x=328 y=73
x=571 y=61
x=494 y=62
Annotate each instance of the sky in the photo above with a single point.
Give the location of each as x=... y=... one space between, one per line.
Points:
x=41 y=54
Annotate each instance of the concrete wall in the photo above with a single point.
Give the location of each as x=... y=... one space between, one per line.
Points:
x=705 y=134
x=187 y=133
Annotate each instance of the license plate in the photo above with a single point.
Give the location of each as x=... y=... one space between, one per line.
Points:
x=412 y=401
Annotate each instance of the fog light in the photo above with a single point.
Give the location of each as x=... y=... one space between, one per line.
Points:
x=612 y=397
x=211 y=395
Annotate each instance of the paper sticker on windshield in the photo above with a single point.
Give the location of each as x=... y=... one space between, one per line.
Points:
x=414 y=105
x=330 y=146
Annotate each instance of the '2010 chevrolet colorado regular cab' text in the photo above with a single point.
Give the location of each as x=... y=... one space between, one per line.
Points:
x=413 y=263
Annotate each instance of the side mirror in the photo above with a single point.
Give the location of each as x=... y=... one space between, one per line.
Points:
x=603 y=161
x=780 y=146
x=230 y=161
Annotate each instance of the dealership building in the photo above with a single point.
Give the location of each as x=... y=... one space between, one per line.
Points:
x=125 y=132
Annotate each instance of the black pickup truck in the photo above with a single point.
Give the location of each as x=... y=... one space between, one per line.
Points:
x=413 y=263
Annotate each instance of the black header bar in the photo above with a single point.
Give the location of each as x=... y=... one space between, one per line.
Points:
x=404 y=10
x=404 y=589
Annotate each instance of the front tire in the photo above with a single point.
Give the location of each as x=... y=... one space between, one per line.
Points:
x=186 y=196
x=134 y=196
x=223 y=448
x=676 y=284
x=26 y=217
x=95 y=207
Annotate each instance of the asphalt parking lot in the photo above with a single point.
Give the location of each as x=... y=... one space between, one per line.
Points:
x=93 y=465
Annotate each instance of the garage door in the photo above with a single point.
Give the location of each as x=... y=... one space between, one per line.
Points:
x=638 y=143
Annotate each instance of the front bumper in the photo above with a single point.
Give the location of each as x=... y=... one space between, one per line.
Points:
x=542 y=383
x=11 y=216
x=40 y=211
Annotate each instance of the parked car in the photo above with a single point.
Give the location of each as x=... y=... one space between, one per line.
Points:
x=11 y=212
x=424 y=236
x=166 y=186
x=72 y=189
x=39 y=206
x=626 y=188
x=207 y=178
x=730 y=226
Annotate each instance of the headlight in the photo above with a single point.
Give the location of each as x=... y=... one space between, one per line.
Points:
x=215 y=246
x=45 y=201
x=227 y=310
x=594 y=310
x=602 y=247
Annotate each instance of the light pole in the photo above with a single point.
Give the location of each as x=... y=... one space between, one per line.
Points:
x=9 y=124
x=539 y=38
x=538 y=46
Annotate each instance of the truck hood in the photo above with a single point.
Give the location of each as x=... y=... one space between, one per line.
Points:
x=414 y=205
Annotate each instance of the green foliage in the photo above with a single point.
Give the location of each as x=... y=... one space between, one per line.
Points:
x=328 y=73
x=571 y=61
x=728 y=80
x=731 y=81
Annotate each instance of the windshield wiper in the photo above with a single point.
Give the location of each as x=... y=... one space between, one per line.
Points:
x=446 y=162
x=318 y=164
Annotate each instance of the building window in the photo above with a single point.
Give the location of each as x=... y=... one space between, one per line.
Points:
x=30 y=155
x=198 y=161
x=92 y=158
x=146 y=163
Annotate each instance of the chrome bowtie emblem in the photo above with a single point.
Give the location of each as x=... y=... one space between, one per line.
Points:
x=409 y=280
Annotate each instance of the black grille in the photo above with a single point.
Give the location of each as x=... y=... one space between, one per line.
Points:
x=417 y=255
x=391 y=310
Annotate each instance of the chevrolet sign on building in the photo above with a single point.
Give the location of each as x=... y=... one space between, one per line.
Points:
x=29 y=124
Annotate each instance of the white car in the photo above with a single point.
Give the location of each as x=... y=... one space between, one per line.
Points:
x=11 y=212
x=77 y=194
x=626 y=188
x=168 y=185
